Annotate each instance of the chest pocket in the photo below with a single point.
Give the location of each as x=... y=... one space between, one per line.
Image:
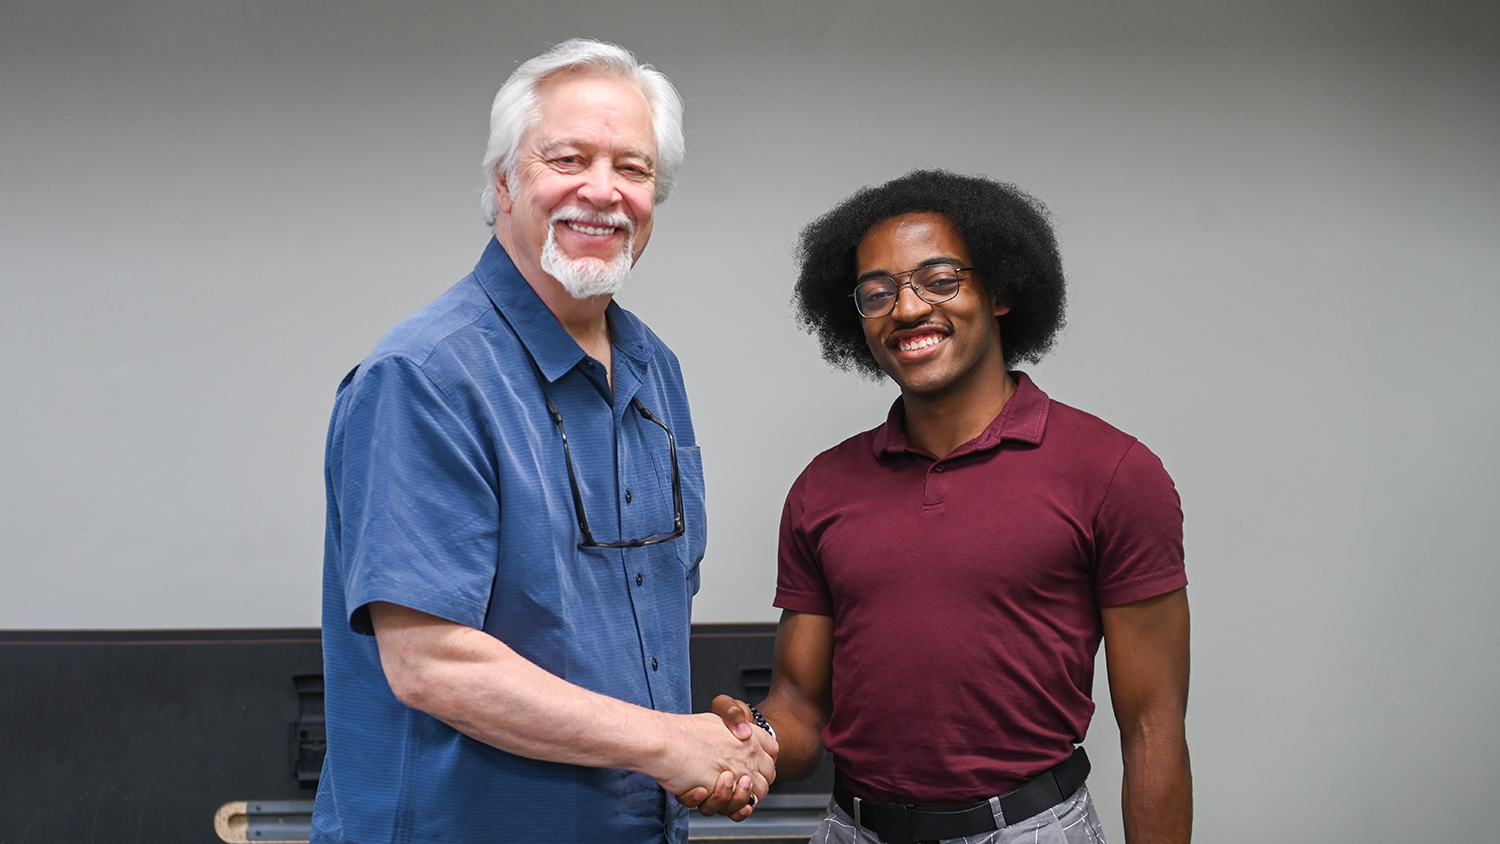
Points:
x=691 y=545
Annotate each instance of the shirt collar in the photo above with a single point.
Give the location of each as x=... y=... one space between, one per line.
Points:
x=550 y=345
x=1023 y=419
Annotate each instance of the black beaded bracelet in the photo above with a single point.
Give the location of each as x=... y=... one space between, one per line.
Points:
x=761 y=720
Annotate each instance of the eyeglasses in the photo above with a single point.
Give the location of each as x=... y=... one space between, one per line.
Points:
x=679 y=521
x=933 y=284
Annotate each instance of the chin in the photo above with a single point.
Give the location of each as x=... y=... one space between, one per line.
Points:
x=585 y=278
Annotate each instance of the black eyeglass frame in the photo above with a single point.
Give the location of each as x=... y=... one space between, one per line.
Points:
x=679 y=519
x=916 y=288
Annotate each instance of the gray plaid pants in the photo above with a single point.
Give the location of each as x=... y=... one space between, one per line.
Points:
x=1070 y=822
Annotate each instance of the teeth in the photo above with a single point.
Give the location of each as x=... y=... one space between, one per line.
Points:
x=587 y=229
x=919 y=343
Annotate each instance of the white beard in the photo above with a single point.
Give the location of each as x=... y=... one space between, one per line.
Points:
x=584 y=278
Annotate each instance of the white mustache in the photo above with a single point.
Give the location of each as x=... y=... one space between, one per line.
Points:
x=594 y=218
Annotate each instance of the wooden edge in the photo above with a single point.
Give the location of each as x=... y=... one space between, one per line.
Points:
x=232 y=822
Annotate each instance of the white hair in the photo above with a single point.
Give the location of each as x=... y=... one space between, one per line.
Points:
x=517 y=108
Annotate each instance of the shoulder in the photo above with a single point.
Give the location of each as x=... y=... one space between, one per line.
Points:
x=841 y=467
x=458 y=315
x=859 y=448
x=450 y=353
x=458 y=342
x=1129 y=476
x=1080 y=428
x=1086 y=449
x=1074 y=432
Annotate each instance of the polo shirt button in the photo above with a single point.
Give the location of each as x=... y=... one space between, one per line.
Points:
x=639 y=579
x=589 y=362
x=938 y=468
x=653 y=663
x=628 y=496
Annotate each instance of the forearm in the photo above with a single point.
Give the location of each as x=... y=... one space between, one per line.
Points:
x=1157 y=795
x=801 y=697
x=798 y=728
x=480 y=687
x=1146 y=646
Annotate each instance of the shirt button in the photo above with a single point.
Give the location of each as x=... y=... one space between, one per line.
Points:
x=628 y=496
x=589 y=362
x=653 y=663
x=639 y=579
x=938 y=468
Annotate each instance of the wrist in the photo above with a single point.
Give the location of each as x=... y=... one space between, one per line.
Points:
x=662 y=741
x=761 y=720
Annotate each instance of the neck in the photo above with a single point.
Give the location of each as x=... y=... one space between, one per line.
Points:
x=942 y=422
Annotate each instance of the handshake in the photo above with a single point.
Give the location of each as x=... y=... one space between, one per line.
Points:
x=720 y=762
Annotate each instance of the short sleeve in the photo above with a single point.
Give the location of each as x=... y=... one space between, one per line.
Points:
x=1138 y=532
x=800 y=583
x=417 y=496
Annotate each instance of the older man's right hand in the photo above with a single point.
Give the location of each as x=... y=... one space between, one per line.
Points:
x=709 y=767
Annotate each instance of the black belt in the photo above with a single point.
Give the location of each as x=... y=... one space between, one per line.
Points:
x=904 y=823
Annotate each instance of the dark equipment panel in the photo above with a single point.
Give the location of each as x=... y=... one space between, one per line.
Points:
x=143 y=735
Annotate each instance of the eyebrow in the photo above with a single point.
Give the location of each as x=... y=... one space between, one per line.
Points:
x=552 y=147
x=940 y=259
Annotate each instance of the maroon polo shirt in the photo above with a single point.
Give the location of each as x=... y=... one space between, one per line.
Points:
x=965 y=591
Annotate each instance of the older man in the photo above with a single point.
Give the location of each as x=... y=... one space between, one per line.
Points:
x=946 y=578
x=515 y=513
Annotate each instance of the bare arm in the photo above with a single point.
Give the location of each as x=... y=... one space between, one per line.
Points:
x=479 y=686
x=801 y=697
x=1146 y=647
x=798 y=706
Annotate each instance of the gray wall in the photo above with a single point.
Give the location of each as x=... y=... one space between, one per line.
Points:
x=1281 y=225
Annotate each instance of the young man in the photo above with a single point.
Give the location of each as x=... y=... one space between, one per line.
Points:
x=947 y=577
x=513 y=540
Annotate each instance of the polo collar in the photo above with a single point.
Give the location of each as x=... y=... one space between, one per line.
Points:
x=550 y=345
x=1023 y=419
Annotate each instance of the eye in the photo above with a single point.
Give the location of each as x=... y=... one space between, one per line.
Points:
x=571 y=163
x=876 y=291
x=639 y=172
x=941 y=279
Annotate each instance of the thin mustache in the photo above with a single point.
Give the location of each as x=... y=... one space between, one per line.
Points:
x=925 y=323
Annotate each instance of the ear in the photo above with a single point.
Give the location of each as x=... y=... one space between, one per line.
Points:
x=997 y=307
x=502 y=191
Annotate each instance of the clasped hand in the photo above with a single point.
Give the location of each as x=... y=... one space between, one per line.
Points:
x=746 y=764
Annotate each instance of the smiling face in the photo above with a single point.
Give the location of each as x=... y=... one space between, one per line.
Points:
x=580 y=207
x=931 y=351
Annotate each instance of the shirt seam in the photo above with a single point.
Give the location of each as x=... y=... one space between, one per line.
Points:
x=1110 y=485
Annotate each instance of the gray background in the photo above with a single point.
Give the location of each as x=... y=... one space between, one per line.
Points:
x=1281 y=223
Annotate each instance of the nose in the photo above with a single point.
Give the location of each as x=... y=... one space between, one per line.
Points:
x=909 y=306
x=599 y=187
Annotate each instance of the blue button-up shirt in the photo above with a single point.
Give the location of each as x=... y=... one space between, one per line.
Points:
x=448 y=493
